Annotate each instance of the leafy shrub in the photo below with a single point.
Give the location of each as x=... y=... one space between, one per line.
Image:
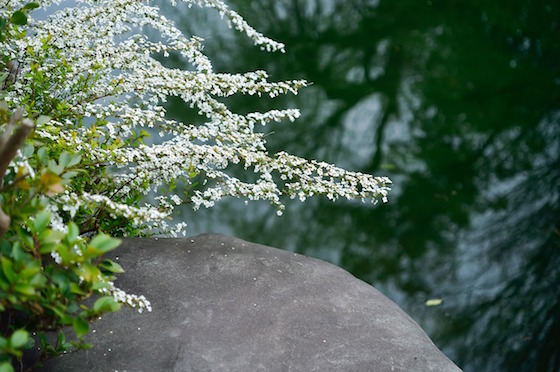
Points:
x=86 y=83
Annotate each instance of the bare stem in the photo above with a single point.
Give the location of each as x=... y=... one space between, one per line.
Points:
x=9 y=145
x=4 y=222
x=9 y=149
x=16 y=117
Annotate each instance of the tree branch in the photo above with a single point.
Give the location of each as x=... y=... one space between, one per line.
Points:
x=9 y=149
x=4 y=222
x=16 y=117
x=9 y=145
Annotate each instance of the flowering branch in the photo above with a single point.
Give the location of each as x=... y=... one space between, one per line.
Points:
x=88 y=76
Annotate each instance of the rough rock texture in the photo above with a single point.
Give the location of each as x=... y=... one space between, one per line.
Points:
x=223 y=304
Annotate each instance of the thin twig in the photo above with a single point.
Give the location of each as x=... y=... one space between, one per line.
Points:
x=4 y=222
x=9 y=148
x=16 y=117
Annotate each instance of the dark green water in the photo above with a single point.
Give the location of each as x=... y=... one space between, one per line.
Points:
x=458 y=102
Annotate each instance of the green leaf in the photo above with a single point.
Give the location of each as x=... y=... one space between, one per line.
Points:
x=6 y=367
x=69 y=175
x=73 y=232
x=111 y=266
x=30 y=271
x=46 y=347
x=18 y=253
x=43 y=119
x=99 y=285
x=6 y=248
x=61 y=338
x=48 y=239
x=434 y=302
x=81 y=327
x=4 y=286
x=62 y=281
x=76 y=158
x=30 y=6
x=27 y=150
x=18 y=18
x=43 y=339
x=64 y=159
x=38 y=281
x=388 y=166
x=41 y=221
x=24 y=289
x=75 y=288
x=42 y=155
x=88 y=271
x=55 y=168
x=105 y=304
x=8 y=270
x=82 y=345
x=104 y=243
x=19 y=338
x=63 y=345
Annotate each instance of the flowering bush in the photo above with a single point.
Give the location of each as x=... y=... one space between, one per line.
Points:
x=91 y=85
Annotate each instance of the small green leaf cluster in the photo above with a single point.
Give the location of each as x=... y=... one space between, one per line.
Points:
x=17 y=18
x=47 y=274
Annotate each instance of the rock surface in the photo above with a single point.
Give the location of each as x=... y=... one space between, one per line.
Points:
x=223 y=304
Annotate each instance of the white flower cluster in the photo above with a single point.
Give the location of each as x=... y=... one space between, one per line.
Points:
x=131 y=300
x=99 y=45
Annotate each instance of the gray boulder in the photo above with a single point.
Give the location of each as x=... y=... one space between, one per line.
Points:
x=223 y=304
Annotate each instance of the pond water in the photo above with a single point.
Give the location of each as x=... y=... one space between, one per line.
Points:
x=458 y=102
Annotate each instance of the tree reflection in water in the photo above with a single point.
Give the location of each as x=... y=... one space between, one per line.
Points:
x=459 y=103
